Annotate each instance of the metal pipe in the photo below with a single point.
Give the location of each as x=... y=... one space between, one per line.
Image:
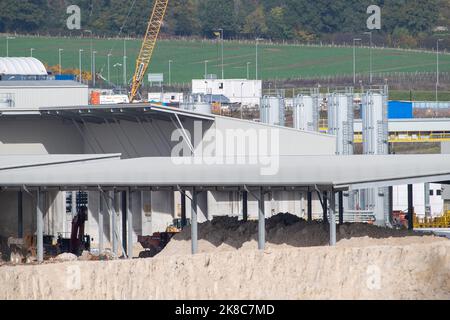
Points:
x=325 y=207
x=124 y=221
x=261 y=222
x=194 y=226
x=183 y=210
x=115 y=236
x=39 y=227
x=332 y=197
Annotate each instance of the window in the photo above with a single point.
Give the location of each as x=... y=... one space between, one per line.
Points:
x=431 y=193
x=439 y=192
x=221 y=85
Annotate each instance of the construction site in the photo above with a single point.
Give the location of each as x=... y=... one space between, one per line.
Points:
x=307 y=193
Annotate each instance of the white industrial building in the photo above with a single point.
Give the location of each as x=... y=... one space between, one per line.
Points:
x=24 y=84
x=247 y=92
x=166 y=97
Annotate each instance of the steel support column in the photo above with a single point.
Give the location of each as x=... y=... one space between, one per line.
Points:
x=325 y=207
x=100 y=224
x=310 y=204
x=410 y=207
x=261 y=222
x=115 y=235
x=124 y=209
x=245 y=206
x=183 y=210
x=194 y=223
x=341 y=207
x=20 y=214
x=332 y=197
x=39 y=227
x=130 y=226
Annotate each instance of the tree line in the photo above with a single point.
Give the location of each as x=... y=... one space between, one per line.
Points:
x=404 y=21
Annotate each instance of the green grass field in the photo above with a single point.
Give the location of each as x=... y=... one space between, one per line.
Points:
x=276 y=61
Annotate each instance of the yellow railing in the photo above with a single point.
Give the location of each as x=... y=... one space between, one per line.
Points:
x=441 y=222
x=412 y=137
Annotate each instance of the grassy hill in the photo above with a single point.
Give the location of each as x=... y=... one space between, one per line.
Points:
x=276 y=61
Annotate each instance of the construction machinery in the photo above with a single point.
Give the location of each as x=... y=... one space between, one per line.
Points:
x=155 y=243
x=148 y=46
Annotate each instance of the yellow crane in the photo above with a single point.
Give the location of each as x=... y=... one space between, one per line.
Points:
x=148 y=46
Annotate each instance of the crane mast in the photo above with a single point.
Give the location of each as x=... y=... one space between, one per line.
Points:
x=148 y=46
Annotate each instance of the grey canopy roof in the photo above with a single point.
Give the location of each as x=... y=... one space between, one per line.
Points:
x=340 y=172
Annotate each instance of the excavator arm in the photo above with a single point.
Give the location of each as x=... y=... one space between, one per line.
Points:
x=148 y=46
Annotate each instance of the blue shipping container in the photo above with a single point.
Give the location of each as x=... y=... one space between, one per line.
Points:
x=400 y=110
x=66 y=77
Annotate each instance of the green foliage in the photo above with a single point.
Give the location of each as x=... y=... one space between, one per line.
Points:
x=275 y=19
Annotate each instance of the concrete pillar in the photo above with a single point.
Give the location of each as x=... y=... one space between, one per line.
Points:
x=341 y=208
x=332 y=197
x=129 y=226
x=310 y=206
x=194 y=226
x=124 y=209
x=410 y=207
x=39 y=227
x=101 y=237
x=245 y=206
x=261 y=222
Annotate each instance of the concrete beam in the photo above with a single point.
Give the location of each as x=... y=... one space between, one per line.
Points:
x=194 y=223
x=332 y=197
x=261 y=222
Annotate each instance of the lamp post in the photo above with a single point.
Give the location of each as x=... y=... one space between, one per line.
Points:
x=92 y=50
x=31 y=52
x=248 y=70
x=371 y=54
x=257 y=56
x=125 y=62
x=109 y=67
x=117 y=65
x=437 y=67
x=242 y=101
x=170 y=72
x=354 y=59
x=7 y=44
x=206 y=69
x=93 y=68
x=60 y=60
x=223 y=71
x=81 y=72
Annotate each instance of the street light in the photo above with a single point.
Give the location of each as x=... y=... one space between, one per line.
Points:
x=354 y=59
x=81 y=75
x=31 y=52
x=242 y=101
x=109 y=67
x=125 y=62
x=437 y=67
x=117 y=65
x=221 y=37
x=257 y=41
x=59 y=59
x=206 y=69
x=371 y=55
x=170 y=72
x=7 y=44
x=93 y=68
x=248 y=70
x=92 y=49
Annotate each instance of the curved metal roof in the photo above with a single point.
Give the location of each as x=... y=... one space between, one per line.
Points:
x=22 y=66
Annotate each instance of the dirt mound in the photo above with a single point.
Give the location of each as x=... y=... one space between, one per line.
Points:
x=286 y=231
